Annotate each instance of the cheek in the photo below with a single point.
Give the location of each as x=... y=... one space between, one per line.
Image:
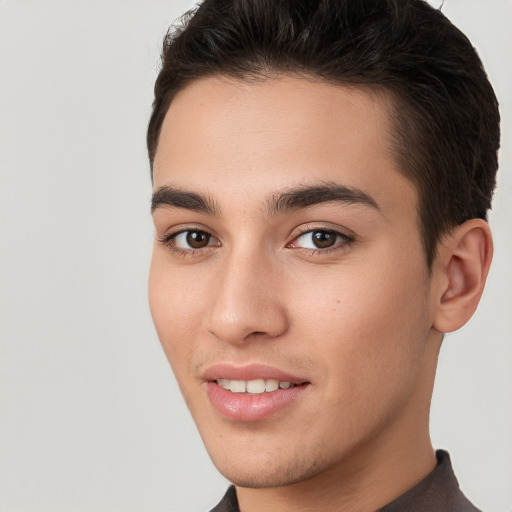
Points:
x=176 y=306
x=368 y=330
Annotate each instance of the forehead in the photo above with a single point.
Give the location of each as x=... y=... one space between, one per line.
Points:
x=225 y=136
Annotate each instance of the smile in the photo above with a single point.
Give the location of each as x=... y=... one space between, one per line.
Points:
x=253 y=391
x=254 y=387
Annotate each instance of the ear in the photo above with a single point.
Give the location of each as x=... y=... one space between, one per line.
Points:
x=461 y=268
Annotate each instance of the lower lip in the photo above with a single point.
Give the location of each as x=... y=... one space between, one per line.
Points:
x=247 y=407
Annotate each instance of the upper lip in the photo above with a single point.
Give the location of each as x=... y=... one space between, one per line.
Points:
x=250 y=371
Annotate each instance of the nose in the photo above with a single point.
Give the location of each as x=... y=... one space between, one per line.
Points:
x=249 y=300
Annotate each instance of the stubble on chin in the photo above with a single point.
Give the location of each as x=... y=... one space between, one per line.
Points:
x=279 y=470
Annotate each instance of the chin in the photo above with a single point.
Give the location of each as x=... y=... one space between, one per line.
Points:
x=266 y=478
x=258 y=470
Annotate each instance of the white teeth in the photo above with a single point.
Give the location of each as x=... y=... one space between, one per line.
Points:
x=223 y=383
x=254 y=387
x=271 y=385
x=238 y=386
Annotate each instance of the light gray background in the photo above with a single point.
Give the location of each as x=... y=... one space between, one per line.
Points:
x=90 y=416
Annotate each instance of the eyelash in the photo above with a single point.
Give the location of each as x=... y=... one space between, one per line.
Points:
x=168 y=241
x=346 y=240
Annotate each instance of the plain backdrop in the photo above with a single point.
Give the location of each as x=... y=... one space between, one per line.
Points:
x=90 y=416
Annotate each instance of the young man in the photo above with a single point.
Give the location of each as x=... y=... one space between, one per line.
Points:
x=322 y=171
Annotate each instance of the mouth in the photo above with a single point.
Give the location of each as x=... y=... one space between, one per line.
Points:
x=252 y=392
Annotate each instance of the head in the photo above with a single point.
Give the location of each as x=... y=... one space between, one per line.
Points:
x=322 y=172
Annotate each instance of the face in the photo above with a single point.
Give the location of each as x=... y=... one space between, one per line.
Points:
x=288 y=282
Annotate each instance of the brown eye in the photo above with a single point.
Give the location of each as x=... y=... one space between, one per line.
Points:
x=323 y=239
x=191 y=240
x=197 y=239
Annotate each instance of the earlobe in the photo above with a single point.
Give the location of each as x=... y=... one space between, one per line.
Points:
x=462 y=266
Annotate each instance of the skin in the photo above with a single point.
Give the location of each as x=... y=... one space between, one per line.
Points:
x=360 y=321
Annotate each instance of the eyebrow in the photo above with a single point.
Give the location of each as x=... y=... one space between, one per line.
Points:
x=293 y=199
x=306 y=196
x=177 y=198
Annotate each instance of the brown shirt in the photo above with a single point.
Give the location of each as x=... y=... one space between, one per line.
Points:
x=437 y=492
